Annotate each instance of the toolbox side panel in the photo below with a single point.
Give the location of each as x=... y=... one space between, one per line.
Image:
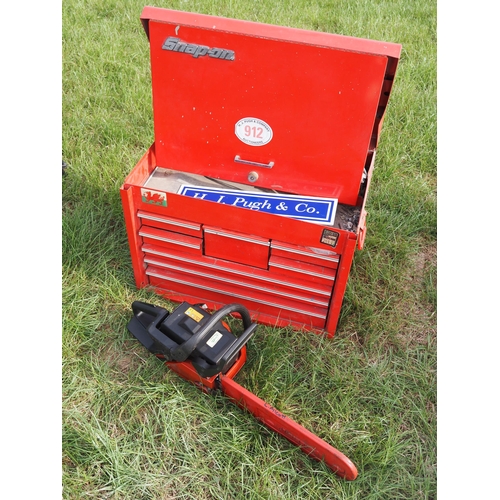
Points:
x=340 y=286
x=132 y=225
x=142 y=169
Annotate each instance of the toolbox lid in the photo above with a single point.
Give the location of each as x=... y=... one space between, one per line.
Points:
x=281 y=108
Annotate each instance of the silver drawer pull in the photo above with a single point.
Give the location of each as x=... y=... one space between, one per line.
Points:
x=237 y=159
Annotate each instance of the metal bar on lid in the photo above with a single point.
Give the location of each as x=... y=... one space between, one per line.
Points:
x=237 y=159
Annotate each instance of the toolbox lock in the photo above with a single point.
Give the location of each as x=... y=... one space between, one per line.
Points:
x=253 y=176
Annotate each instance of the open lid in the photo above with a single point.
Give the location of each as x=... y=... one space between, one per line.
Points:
x=280 y=108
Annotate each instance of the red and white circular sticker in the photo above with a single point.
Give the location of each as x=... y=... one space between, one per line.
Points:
x=253 y=131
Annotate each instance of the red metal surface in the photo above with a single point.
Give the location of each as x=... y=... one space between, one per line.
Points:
x=297 y=276
x=132 y=225
x=300 y=270
x=340 y=286
x=256 y=301
x=225 y=272
x=169 y=224
x=170 y=239
x=323 y=97
x=236 y=247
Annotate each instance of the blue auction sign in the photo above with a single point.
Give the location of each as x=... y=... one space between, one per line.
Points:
x=306 y=208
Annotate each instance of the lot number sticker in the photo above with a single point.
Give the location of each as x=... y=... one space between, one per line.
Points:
x=253 y=131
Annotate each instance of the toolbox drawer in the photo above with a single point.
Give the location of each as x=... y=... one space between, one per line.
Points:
x=216 y=270
x=169 y=239
x=236 y=247
x=175 y=225
x=318 y=256
x=302 y=271
x=222 y=292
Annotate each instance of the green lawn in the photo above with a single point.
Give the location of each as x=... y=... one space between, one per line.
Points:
x=133 y=430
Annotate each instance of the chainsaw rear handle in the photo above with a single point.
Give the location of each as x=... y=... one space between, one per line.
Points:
x=145 y=330
x=230 y=355
x=183 y=351
x=144 y=307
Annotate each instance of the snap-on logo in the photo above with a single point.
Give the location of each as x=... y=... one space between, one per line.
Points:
x=175 y=45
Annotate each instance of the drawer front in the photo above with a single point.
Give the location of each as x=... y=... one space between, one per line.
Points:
x=249 y=274
x=318 y=256
x=236 y=247
x=302 y=271
x=216 y=271
x=169 y=239
x=175 y=225
x=256 y=301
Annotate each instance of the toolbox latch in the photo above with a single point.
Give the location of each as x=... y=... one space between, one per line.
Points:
x=362 y=229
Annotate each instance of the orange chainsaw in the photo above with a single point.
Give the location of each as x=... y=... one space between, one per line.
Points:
x=201 y=348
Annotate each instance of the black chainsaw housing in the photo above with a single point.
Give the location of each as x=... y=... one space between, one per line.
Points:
x=191 y=333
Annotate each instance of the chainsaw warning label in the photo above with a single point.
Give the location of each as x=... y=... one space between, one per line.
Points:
x=194 y=314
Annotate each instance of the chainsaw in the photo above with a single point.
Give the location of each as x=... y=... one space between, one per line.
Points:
x=200 y=348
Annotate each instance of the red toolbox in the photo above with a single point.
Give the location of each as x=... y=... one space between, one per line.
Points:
x=255 y=187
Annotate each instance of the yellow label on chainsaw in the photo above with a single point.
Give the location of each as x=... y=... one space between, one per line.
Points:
x=194 y=314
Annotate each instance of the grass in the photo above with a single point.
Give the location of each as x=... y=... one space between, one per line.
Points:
x=133 y=430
